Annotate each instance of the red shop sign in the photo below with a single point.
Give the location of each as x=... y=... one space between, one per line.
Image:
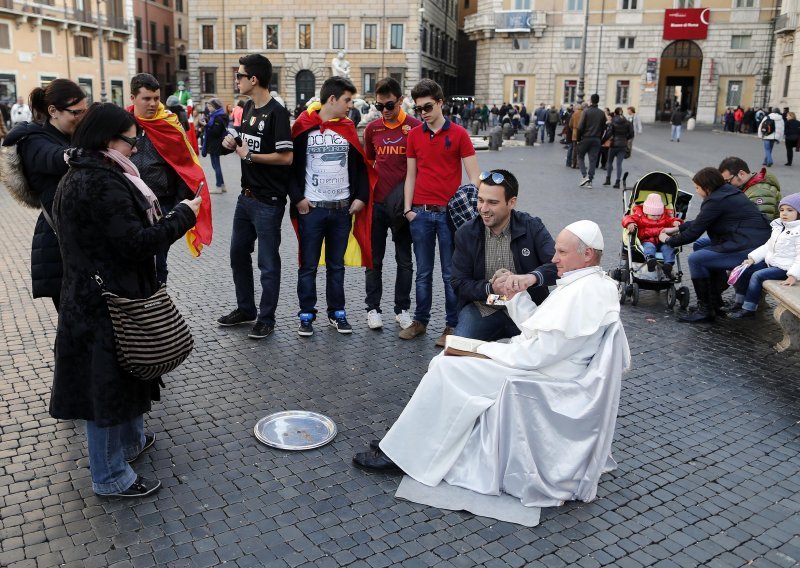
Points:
x=686 y=23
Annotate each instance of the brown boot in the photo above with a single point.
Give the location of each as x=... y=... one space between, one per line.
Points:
x=416 y=328
x=443 y=338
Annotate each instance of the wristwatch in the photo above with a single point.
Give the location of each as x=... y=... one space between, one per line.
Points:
x=248 y=157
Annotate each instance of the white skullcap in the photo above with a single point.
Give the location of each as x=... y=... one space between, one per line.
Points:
x=588 y=232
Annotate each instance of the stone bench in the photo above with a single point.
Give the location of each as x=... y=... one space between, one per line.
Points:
x=787 y=313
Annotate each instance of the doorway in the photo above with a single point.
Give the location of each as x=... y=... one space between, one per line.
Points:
x=305 y=86
x=679 y=78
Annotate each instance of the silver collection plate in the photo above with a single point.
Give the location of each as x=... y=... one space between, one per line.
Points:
x=295 y=430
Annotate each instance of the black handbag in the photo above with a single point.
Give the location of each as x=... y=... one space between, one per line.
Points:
x=150 y=335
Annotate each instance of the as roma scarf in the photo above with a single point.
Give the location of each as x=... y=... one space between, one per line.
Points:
x=170 y=141
x=359 y=245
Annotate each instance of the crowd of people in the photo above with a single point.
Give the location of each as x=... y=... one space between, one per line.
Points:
x=116 y=187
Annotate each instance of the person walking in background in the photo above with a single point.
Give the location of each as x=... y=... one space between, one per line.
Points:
x=236 y=114
x=770 y=130
x=791 y=136
x=553 y=119
x=590 y=131
x=621 y=133
x=109 y=224
x=676 y=120
x=20 y=112
x=57 y=108
x=173 y=105
x=216 y=131
x=572 y=148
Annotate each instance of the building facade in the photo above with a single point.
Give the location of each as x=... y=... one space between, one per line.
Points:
x=155 y=40
x=702 y=55
x=785 y=78
x=405 y=40
x=46 y=40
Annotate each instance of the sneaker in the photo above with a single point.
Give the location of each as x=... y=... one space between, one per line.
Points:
x=416 y=328
x=374 y=319
x=584 y=182
x=404 y=319
x=741 y=313
x=667 y=269
x=306 y=328
x=651 y=263
x=442 y=338
x=149 y=440
x=587 y=185
x=236 y=317
x=260 y=330
x=339 y=321
x=140 y=488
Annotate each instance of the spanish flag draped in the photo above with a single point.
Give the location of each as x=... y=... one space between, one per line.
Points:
x=170 y=141
x=359 y=245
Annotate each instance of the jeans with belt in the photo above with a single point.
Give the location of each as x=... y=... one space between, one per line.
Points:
x=254 y=220
x=426 y=228
x=401 y=235
x=332 y=226
x=109 y=448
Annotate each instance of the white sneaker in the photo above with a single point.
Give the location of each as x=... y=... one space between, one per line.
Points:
x=374 y=319
x=404 y=319
x=584 y=182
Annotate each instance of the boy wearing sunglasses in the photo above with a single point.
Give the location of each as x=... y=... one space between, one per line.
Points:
x=385 y=141
x=436 y=151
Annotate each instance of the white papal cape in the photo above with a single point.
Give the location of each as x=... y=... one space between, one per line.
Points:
x=535 y=420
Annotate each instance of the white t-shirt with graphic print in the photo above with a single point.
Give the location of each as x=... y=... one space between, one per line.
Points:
x=327 y=178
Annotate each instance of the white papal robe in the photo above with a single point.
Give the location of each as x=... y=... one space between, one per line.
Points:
x=536 y=419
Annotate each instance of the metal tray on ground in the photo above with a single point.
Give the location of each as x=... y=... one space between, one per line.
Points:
x=295 y=430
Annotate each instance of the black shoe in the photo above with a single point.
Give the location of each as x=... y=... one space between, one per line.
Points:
x=306 y=328
x=140 y=488
x=704 y=311
x=339 y=320
x=607 y=182
x=149 y=440
x=375 y=461
x=731 y=308
x=260 y=330
x=375 y=445
x=616 y=184
x=667 y=268
x=741 y=313
x=236 y=317
x=651 y=263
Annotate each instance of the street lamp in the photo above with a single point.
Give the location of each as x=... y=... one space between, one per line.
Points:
x=582 y=71
x=103 y=96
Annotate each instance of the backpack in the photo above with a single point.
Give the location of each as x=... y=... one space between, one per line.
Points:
x=767 y=127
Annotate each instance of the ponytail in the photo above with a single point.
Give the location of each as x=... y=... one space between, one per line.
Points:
x=61 y=93
x=37 y=102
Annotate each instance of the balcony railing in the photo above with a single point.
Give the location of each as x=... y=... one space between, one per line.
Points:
x=507 y=21
x=786 y=23
x=64 y=15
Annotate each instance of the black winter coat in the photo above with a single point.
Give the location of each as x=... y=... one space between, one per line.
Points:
x=732 y=221
x=531 y=246
x=621 y=132
x=41 y=148
x=215 y=134
x=102 y=226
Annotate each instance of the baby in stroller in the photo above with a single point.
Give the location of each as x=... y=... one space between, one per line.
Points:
x=648 y=220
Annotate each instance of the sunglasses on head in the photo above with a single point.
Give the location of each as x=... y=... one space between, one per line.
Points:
x=496 y=177
x=427 y=107
x=388 y=106
x=243 y=76
x=131 y=141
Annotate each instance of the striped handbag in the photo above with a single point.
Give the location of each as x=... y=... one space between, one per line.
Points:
x=150 y=335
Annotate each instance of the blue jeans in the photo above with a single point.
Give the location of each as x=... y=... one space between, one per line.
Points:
x=490 y=328
x=109 y=448
x=540 y=126
x=254 y=220
x=217 y=169
x=619 y=155
x=701 y=243
x=704 y=261
x=425 y=229
x=167 y=204
x=676 y=132
x=751 y=282
x=401 y=235
x=332 y=226
x=667 y=252
x=768 y=144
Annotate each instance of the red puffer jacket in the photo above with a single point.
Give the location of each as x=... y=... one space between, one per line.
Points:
x=649 y=229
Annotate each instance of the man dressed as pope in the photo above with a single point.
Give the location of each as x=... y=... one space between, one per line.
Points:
x=535 y=417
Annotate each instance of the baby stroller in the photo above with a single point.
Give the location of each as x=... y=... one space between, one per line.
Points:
x=632 y=273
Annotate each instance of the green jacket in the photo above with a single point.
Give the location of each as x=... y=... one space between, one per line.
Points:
x=764 y=191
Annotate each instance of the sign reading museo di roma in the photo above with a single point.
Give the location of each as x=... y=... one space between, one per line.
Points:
x=686 y=23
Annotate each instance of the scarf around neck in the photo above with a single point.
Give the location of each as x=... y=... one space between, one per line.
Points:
x=132 y=173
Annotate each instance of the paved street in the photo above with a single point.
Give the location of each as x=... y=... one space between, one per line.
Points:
x=707 y=440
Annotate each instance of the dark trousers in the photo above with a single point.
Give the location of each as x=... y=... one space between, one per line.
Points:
x=254 y=221
x=790 y=145
x=619 y=155
x=215 y=163
x=590 y=146
x=167 y=204
x=551 y=131
x=401 y=236
x=332 y=226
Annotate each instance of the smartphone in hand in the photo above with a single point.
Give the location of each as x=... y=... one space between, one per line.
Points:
x=199 y=188
x=236 y=137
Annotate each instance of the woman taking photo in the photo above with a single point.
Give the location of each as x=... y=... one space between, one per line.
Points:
x=57 y=110
x=109 y=224
x=735 y=227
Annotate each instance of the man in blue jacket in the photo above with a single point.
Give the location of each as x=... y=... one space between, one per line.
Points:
x=501 y=251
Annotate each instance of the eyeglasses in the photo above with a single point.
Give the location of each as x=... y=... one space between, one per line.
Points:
x=132 y=141
x=497 y=177
x=427 y=107
x=243 y=76
x=388 y=106
x=73 y=112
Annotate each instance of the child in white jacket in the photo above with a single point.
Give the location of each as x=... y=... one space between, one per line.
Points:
x=776 y=259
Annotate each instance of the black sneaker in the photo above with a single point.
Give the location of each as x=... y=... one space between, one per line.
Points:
x=339 y=321
x=260 y=330
x=149 y=440
x=236 y=317
x=651 y=263
x=140 y=488
x=306 y=328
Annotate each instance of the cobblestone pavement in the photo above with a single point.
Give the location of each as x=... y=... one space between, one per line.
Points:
x=707 y=435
